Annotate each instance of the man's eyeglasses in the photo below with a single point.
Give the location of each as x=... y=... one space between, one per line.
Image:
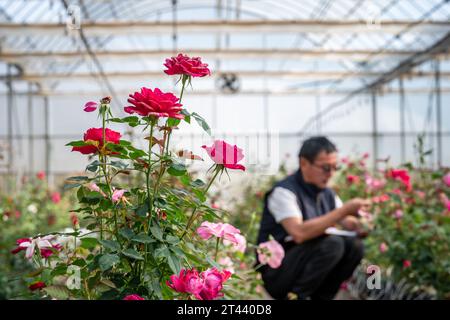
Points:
x=326 y=168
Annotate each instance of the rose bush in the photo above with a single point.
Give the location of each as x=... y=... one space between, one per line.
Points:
x=33 y=208
x=148 y=221
x=410 y=232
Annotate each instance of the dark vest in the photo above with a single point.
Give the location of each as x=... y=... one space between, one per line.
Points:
x=312 y=201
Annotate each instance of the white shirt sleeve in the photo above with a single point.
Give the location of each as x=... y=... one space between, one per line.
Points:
x=282 y=203
x=338 y=202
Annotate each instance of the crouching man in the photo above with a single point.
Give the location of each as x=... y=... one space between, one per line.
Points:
x=298 y=212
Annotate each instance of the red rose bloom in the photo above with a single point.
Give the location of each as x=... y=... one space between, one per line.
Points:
x=94 y=137
x=154 y=103
x=351 y=179
x=133 y=297
x=37 y=285
x=184 y=65
x=40 y=175
x=401 y=175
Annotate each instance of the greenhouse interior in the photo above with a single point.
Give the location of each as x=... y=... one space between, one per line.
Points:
x=224 y=150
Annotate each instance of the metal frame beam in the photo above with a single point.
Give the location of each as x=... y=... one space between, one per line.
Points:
x=96 y=28
x=281 y=92
x=356 y=55
x=34 y=77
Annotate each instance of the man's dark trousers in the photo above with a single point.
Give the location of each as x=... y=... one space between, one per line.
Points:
x=315 y=268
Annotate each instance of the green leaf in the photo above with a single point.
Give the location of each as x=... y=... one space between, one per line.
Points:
x=57 y=292
x=200 y=195
x=108 y=260
x=172 y=239
x=174 y=263
x=78 y=143
x=143 y=238
x=131 y=253
x=119 y=164
x=197 y=183
x=78 y=178
x=71 y=186
x=171 y=122
x=117 y=120
x=93 y=166
x=187 y=115
x=124 y=143
x=59 y=270
x=212 y=262
x=112 y=245
x=202 y=122
x=137 y=154
x=177 y=169
x=89 y=243
x=185 y=180
x=156 y=232
x=142 y=210
x=127 y=233
x=130 y=119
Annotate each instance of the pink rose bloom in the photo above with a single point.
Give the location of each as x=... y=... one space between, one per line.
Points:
x=219 y=230
x=19 y=248
x=374 y=184
x=188 y=281
x=383 y=247
x=446 y=179
x=183 y=65
x=215 y=206
x=228 y=263
x=366 y=215
x=365 y=155
x=406 y=264
x=90 y=106
x=117 y=195
x=241 y=244
x=420 y=194
x=133 y=297
x=380 y=199
x=398 y=214
x=204 y=286
x=344 y=160
x=56 y=197
x=44 y=245
x=94 y=187
x=271 y=253
x=213 y=284
x=225 y=154
x=447 y=205
x=40 y=175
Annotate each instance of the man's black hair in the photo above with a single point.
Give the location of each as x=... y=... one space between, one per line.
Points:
x=313 y=146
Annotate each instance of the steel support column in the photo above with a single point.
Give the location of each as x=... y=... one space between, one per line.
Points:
x=438 y=114
x=402 y=120
x=374 y=129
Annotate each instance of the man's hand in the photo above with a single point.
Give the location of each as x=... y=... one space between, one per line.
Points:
x=352 y=206
x=350 y=223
